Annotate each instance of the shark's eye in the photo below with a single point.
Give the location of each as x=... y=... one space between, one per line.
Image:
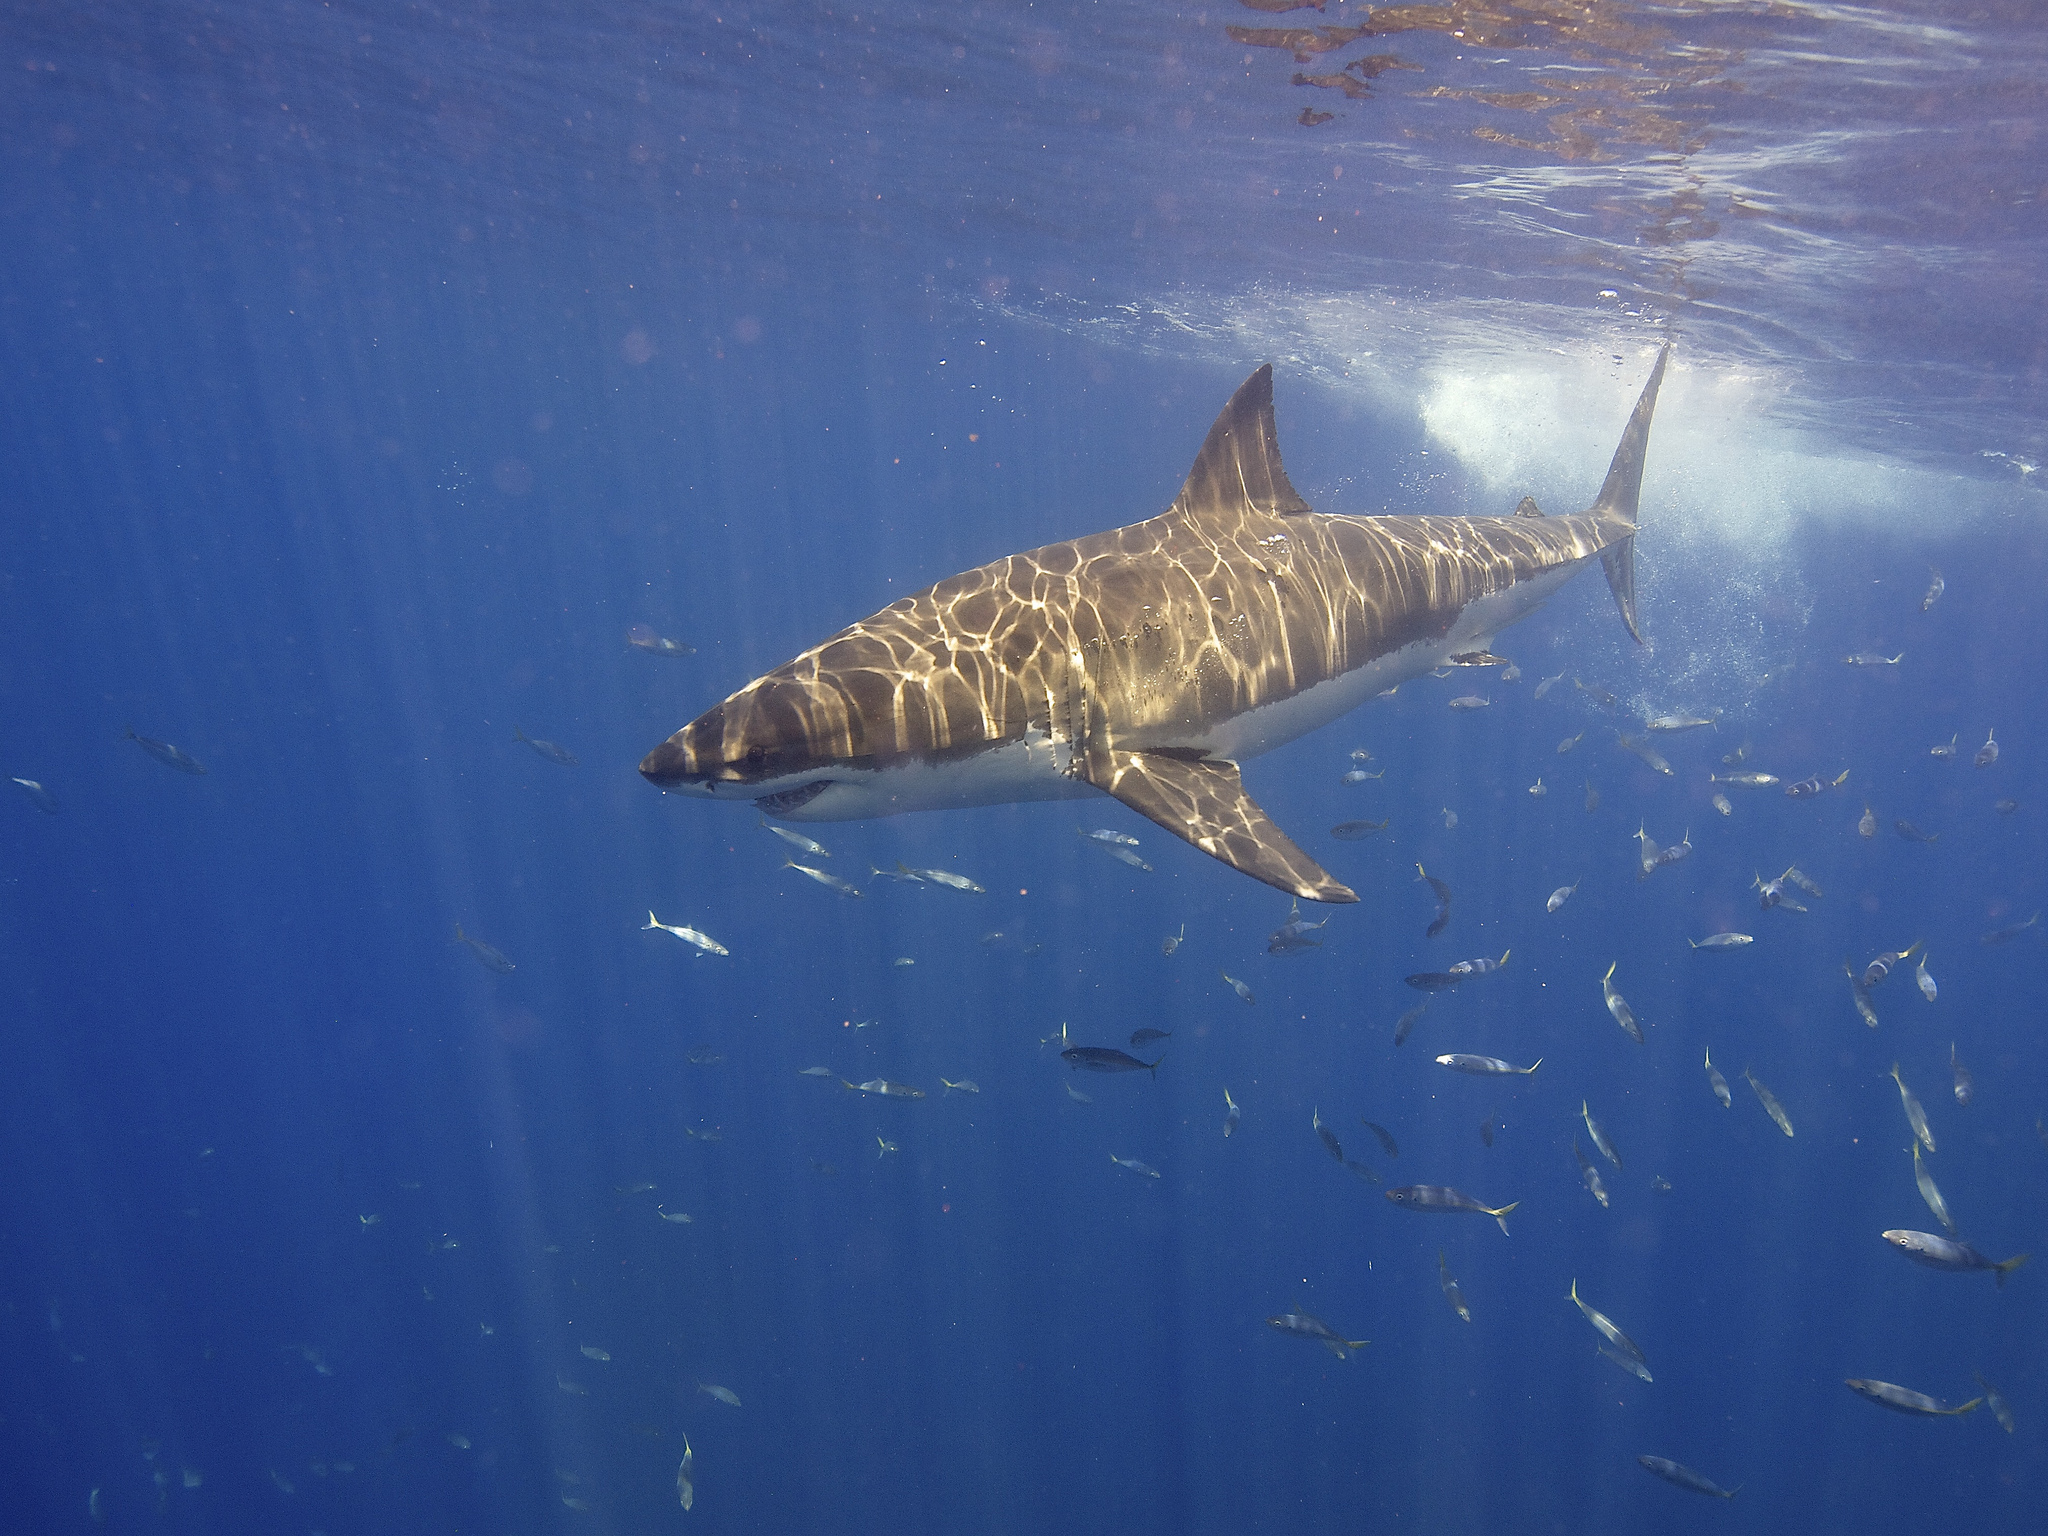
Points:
x=756 y=756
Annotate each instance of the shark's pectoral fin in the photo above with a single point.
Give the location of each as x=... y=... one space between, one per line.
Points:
x=1202 y=800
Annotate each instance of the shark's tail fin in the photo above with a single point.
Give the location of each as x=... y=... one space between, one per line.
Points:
x=1617 y=504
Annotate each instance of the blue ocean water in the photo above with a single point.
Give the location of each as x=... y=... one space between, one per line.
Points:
x=372 y=370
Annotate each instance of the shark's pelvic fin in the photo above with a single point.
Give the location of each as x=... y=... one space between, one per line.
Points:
x=1239 y=469
x=1202 y=800
x=1618 y=497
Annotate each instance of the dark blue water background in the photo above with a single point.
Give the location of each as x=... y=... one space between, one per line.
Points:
x=370 y=371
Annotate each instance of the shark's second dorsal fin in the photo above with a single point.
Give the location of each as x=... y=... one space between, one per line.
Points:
x=1528 y=508
x=1203 y=800
x=1239 y=469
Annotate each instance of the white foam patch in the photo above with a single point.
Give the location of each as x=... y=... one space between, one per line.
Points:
x=1718 y=466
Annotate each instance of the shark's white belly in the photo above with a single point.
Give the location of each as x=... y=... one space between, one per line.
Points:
x=1037 y=769
x=1001 y=775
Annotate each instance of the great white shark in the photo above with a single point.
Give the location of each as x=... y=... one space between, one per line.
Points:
x=1149 y=661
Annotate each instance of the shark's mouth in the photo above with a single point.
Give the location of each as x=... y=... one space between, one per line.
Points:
x=791 y=799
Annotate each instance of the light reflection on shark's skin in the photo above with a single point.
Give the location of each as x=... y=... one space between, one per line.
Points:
x=1148 y=660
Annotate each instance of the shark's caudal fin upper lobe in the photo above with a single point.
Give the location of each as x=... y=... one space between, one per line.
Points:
x=1618 y=497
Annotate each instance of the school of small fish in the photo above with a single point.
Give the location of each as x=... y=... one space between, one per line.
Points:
x=1780 y=911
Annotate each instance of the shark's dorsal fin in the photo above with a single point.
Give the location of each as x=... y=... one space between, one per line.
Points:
x=1239 y=469
x=1528 y=508
x=1203 y=801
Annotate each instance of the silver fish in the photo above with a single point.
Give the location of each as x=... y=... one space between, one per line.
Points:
x=2009 y=932
x=1903 y=1400
x=1872 y=659
x=1452 y=1294
x=1173 y=941
x=1547 y=684
x=951 y=881
x=797 y=840
x=547 y=749
x=1144 y=1169
x=1238 y=987
x=1991 y=1396
x=881 y=1087
x=1935 y=587
x=1986 y=754
x=1916 y=1117
x=686 y=1489
x=1617 y=1005
x=1769 y=1100
x=1353 y=831
x=1106 y=835
x=703 y=941
x=1448 y=1201
x=1626 y=1354
x=1599 y=1136
x=1881 y=967
x=168 y=755
x=1306 y=1325
x=1590 y=1174
x=1930 y=1192
x=830 y=882
x=1925 y=982
x=1865 y=1009
x=1684 y=1476
x=1486 y=1066
x=1442 y=892
x=1560 y=896
x=1680 y=722
x=1945 y=1253
x=1966 y=1085
x=1327 y=1136
x=1645 y=751
x=1722 y=941
x=1717 y=1082
x=1231 y=1114
x=1406 y=1022
x=493 y=959
x=641 y=638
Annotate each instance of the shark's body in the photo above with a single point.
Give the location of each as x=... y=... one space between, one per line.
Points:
x=1148 y=661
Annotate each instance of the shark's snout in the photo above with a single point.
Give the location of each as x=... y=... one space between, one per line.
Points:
x=668 y=765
